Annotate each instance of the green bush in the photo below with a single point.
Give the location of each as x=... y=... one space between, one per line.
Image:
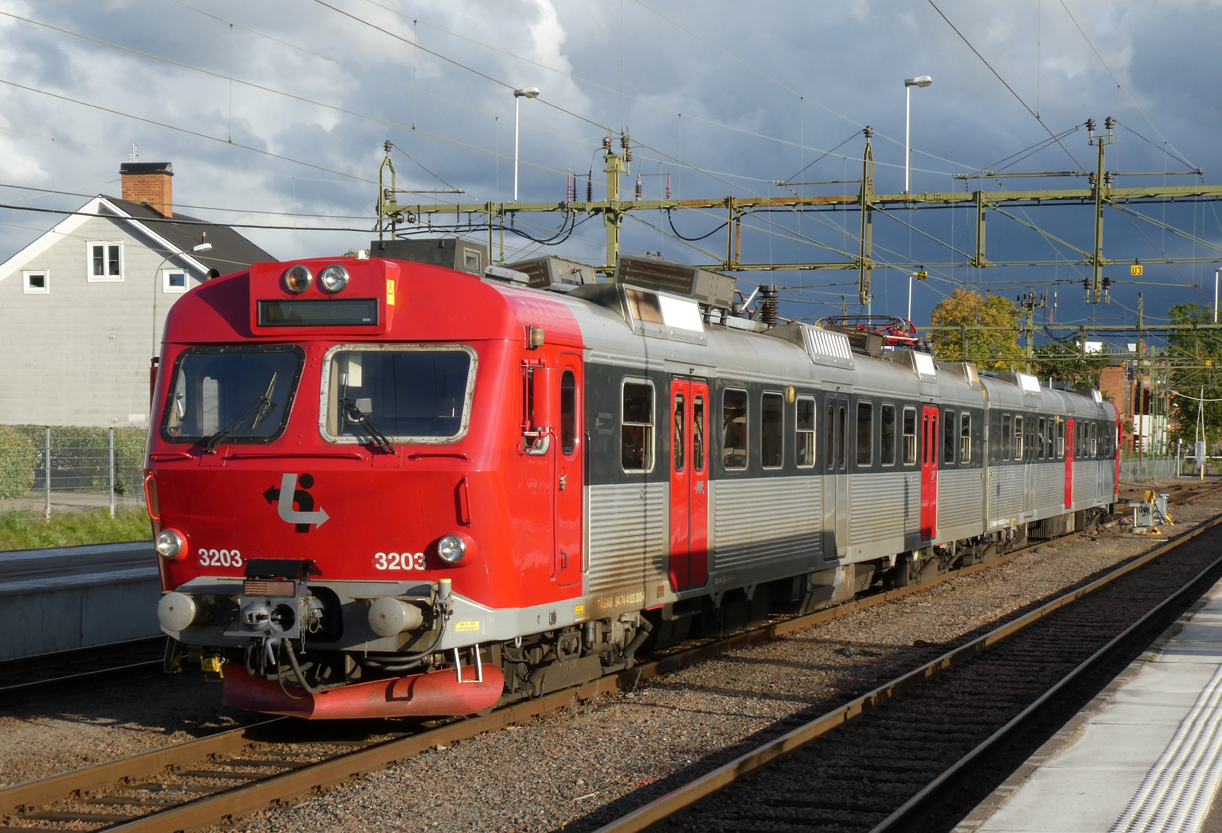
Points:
x=80 y=456
x=17 y=461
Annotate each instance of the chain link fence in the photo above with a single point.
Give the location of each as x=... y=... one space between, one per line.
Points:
x=65 y=468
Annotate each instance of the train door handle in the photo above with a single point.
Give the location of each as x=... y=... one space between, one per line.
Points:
x=564 y=479
x=564 y=560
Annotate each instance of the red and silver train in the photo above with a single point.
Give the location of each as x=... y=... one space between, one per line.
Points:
x=382 y=488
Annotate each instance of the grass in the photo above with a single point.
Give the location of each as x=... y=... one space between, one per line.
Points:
x=27 y=530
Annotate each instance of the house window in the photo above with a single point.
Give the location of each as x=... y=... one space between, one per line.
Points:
x=173 y=280
x=105 y=261
x=36 y=283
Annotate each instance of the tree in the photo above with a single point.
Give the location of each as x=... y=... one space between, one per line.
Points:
x=1195 y=357
x=955 y=341
x=1067 y=361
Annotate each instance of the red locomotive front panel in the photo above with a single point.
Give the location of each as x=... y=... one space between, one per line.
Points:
x=334 y=473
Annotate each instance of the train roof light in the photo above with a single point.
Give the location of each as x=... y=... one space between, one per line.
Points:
x=333 y=279
x=298 y=279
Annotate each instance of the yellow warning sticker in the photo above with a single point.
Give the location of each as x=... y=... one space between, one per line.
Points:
x=466 y=627
x=579 y=610
x=390 y=292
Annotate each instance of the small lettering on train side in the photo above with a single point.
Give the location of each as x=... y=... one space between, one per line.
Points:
x=466 y=627
x=608 y=602
x=579 y=610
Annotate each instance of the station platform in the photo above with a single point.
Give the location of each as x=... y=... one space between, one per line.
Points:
x=1144 y=755
x=62 y=598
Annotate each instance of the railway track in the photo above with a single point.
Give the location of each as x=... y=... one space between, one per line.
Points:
x=230 y=774
x=919 y=752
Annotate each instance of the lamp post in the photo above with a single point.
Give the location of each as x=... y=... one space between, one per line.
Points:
x=518 y=95
x=197 y=248
x=909 y=83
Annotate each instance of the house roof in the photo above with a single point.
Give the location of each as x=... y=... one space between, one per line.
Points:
x=230 y=252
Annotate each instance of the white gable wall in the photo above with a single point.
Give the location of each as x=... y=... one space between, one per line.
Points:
x=79 y=354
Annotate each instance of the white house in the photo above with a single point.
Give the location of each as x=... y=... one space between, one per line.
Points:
x=82 y=307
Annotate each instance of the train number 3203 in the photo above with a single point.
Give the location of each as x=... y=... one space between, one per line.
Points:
x=399 y=561
x=219 y=558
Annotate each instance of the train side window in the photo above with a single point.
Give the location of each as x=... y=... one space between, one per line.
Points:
x=910 y=437
x=734 y=423
x=841 y=444
x=804 y=445
x=679 y=439
x=1041 y=443
x=865 y=433
x=965 y=438
x=698 y=432
x=1007 y=438
x=636 y=433
x=1060 y=439
x=1018 y=438
x=1094 y=440
x=948 y=438
x=772 y=427
x=887 y=437
x=568 y=412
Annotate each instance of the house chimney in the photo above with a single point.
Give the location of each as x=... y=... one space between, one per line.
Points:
x=150 y=183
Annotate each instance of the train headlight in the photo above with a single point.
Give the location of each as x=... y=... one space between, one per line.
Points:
x=451 y=549
x=333 y=278
x=298 y=279
x=170 y=544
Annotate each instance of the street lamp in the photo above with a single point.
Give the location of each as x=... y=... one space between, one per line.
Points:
x=196 y=249
x=518 y=95
x=909 y=83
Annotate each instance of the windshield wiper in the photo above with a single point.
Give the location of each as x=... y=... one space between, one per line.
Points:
x=259 y=408
x=362 y=421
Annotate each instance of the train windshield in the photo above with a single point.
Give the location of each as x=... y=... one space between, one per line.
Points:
x=407 y=393
x=231 y=394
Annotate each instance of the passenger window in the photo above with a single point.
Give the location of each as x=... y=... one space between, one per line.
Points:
x=568 y=412
x=1018 y=438
x=829 y=429
x=1094 y=440
x=841 y=428
x=948 y=437
x=965 y=438
x=679 y=441
x=772 y=426
x=804 y=445
x=734 y=423
x=865 y=433
x=698 y=432
x=910 y=437
x=636 y=433
x=1007 y=439
x=1040 y=441
x=888 y=435
x=1060 y=438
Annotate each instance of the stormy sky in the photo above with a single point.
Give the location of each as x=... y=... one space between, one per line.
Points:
x=274 y=114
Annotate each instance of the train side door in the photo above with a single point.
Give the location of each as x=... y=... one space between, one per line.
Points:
x=689 y=484
x=1069 y=441
x=569 y=474
x=929 y=473
x=836 y=507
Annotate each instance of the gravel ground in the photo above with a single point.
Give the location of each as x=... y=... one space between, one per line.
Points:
x=579 y=770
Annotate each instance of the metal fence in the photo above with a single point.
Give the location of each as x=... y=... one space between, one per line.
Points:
x=67 y=468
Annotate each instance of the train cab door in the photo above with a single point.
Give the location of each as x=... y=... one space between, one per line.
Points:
x=569 y=456
x=1069 y=448
x=929 y=473
x=689 y=484
x=836 y=508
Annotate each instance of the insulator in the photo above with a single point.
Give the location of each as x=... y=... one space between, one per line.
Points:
x=1108 y=176
x=568 y=187
x=606 y=143
x=627 y=156
x=668 y=186
x=768 y=305
x=1090 y=125
x=590 y=187
x=1090 y=177
x=623 y=141
x=1109 y=122
x=869 y=131
x=638 y=186
x=387 y=145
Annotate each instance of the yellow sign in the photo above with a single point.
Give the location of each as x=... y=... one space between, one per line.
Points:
x=465 y=627
x=1135 y=269
x=390 y=292
x=579 y=610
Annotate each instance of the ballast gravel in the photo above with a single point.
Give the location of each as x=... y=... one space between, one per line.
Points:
x=579 y=769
